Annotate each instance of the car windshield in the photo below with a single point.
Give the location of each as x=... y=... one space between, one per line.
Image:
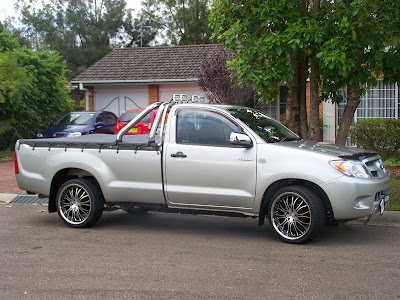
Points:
x=76 y=119
x=267 y=128
x=131 y=114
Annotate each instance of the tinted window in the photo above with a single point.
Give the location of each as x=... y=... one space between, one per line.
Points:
x=100 y=118
x=76 y=119
x=129 y=115
x=203 y=128
x=111 y=119
x=267 y=128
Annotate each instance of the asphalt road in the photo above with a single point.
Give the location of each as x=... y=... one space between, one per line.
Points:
x=166 y=256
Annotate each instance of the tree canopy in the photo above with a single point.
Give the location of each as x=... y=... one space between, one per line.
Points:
x=336 y=44
x=216 y=80
x=185 y=22
x=33 y=90
x=82 y=31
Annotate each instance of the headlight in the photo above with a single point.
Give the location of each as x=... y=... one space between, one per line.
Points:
x=39 y=135
x=351 y=168
x=74 y=134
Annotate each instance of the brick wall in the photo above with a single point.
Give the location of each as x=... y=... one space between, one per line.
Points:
x=91 y=97
x=154 y=94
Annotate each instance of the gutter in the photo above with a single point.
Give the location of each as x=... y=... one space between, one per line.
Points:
x=147 y=81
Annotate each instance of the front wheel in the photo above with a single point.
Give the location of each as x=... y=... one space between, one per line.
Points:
x=296 y=214
x=80 y=202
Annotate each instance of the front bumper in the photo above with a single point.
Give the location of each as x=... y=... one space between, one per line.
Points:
x=353 y=198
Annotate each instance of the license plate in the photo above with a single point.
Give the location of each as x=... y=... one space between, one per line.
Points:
x=134 y=129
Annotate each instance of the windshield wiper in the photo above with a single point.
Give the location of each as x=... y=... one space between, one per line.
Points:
x=291 y=139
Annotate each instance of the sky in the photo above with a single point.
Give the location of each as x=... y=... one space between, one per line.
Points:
x=7 y=7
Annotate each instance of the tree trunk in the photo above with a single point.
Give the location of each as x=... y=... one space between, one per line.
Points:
x=315 y=129
x=292 y=104
x=315 y=133
x=302 y=78
x=353 y=99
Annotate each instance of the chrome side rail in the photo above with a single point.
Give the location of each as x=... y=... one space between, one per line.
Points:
x=156 y=122
x=164 y=116
x=136 y=120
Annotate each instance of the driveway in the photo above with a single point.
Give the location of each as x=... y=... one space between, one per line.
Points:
x=8 y=184
x=172 y=256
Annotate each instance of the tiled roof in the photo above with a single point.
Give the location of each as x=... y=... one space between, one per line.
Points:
x=148 y=64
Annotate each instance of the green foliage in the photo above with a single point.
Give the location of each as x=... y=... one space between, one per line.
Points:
x=263 y=34
x=350 y=41
x=185 y=22
x=6 y=42
x=6 y=155
x=393 y=160
x=82 y=31
x=347 y=38
x=33 y=92
x=394 y=203
x=380 y=135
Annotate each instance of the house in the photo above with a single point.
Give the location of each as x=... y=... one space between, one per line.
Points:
x=380 y=101
x=136 y=77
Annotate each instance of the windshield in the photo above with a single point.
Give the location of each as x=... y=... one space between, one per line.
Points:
x=267 y=128
x=76 y=119
x=131 y=114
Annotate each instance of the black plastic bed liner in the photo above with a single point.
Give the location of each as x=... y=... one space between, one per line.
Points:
x=94 y=141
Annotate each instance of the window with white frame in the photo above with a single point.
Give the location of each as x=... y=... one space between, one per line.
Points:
x=276 y=109
x=380 y=101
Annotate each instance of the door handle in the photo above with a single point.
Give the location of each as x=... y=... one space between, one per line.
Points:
x=179 y=154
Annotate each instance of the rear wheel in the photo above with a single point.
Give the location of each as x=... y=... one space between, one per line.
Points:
x=296 y=214
x=80 y=202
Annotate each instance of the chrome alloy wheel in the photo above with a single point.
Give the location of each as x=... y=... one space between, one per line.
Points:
x=74 y=204
x=291 y=215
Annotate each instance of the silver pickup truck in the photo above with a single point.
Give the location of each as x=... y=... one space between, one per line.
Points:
x=206 y=159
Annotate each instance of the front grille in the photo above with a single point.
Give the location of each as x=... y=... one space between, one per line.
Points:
x=375 y=166
x=381 y=194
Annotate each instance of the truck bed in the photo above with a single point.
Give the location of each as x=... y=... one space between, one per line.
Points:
x=95 y=141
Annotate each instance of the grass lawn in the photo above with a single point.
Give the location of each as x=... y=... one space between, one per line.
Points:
x=393 y=161
x=394 y=183
x=394 y=194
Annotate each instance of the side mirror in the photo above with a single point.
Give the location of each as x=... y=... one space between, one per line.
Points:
x=241 y=139
x=99 y=124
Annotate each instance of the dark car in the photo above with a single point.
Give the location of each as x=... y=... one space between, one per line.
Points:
x=81 y=123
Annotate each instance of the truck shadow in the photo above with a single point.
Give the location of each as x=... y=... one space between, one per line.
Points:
x=245 y=228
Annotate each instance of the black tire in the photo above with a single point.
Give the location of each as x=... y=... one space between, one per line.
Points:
x=80 y=202
x=296 y=214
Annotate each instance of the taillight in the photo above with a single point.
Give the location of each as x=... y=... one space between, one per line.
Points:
x=16 y=163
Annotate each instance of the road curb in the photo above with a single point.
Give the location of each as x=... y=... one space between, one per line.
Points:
x=7 y=198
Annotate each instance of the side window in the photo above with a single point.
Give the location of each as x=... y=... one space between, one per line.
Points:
x=100 y=118
x=111 y=119
x=203 y=127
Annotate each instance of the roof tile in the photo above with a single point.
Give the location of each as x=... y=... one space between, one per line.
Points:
x=179 y=63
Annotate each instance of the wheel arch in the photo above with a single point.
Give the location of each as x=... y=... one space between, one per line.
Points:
x=62 y=176
x=272 y=188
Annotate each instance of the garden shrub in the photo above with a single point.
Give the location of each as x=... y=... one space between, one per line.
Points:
x=380 y=135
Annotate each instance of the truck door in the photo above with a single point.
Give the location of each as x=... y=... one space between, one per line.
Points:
x=202 y=168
